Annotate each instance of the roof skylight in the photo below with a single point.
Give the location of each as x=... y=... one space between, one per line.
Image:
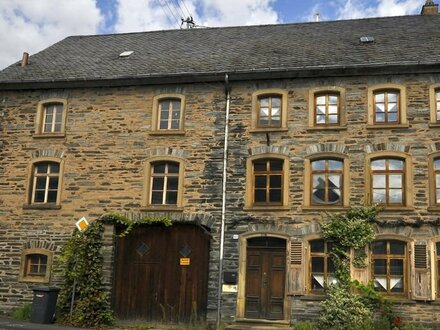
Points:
x=366 y=39
x=126 y=53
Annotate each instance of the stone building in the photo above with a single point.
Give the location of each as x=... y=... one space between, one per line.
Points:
x=307 y=118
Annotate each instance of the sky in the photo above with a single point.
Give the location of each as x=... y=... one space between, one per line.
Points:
x=33 y=25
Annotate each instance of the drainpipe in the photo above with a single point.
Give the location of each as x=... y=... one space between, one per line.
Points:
x=222 y=231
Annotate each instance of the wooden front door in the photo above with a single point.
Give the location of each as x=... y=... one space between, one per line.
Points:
x=265 y=278
x=161 y=273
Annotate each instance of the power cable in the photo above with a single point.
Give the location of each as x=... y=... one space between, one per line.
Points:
x=172 y=13
x=189 y=13
x=179 y=7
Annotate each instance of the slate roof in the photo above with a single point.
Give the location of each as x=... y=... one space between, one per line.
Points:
x=404 y=40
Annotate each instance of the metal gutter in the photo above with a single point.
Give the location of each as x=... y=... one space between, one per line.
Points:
x=238 y=75
x=223 y=216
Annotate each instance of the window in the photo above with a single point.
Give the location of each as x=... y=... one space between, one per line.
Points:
x=45 y=183
x=269 y=110
x=327 y=109
x=437 y=180
x=388 y=181
x=164 y=183
x=326 y=178
x=437 y=105
x=434 y=100
x=387 y=106
x=168 y=114
x=437 y=261
x=389 y=266
x=269 y=114
x=268 y=181
x=35 y=265
x=51 y=118
x=321 y=266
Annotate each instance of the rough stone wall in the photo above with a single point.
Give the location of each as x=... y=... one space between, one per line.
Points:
x=356 y=139
x=106 y=145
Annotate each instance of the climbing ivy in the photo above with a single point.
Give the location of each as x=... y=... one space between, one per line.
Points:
x=81 y=266
x=349 y=302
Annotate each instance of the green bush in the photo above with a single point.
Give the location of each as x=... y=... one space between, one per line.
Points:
x=305 y=325
x=343 y=310
x=23 y=313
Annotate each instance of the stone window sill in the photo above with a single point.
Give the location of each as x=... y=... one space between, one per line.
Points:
x=434 y=125
x=327 y=128
x=268 y=130
x=41 y=207
x=434 y=208
x=325 y=208
x=49 y=135
x=268 y=208
x=162 y=208
x=167 y=132
x=387 y=126
x=396 y=209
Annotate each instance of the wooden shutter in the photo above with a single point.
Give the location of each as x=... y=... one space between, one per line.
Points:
x=361 y=274
x=420 y=268
x=295 y=274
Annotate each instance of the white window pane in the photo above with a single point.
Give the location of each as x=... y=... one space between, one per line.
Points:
x=438 y=113
x=438 y=96
x=264 y=102
x=276 y=112
x=333 y=109
x=333 y=119
x=392 y=107
x=276 y=102
x=380 y=107
x=264 y=112
x=392 y=97
x=437 y=180
x=379 y=98
x=318 y=181
x=320 y=119
x=318 y=165
x=320 y=109
x=396 y=164
x=335 y=164
x=378 y=164
x=395 y=181
x=320 y=100
x=380 y=283
x=396 y=196
x=379 y=181
x=380 y=117
x=379 y=195
x=334 y=181
x=333 y=99
x=438 y=196
x=392 y=117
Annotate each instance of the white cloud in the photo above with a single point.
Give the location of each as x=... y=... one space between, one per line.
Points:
x=34 y=25
x=355 y=9
x=145 y=15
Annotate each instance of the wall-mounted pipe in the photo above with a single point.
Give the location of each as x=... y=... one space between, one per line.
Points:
x=223 y=216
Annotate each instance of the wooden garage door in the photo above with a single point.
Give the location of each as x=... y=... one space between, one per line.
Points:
x=161 y=273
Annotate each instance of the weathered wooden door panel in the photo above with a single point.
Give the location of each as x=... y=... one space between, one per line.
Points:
x=265 y=279
x=151 y=283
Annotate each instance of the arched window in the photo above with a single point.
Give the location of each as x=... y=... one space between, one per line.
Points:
x=387 y=106
x=389 y=262
x=45 y=183
x=168 y=114
x=327 y=181
x=51 y=118
x=164 y=183
x=327 y=108
x=269 y=110
x=388 y=181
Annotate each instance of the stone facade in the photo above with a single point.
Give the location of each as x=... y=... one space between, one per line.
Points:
x=108 y=139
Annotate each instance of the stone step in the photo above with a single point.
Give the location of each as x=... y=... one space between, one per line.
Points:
x=257 y=326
